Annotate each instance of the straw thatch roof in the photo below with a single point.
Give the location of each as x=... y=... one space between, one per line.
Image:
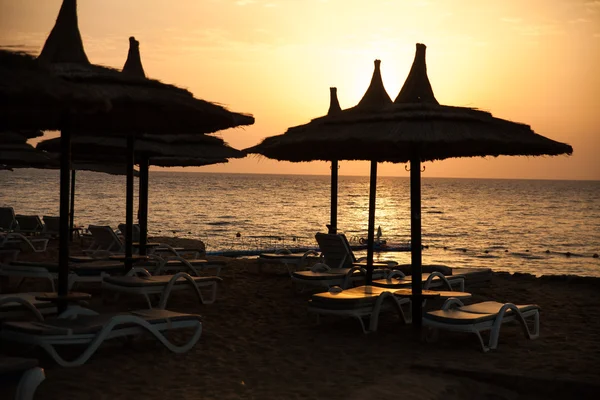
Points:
x=161 y=161
x=32 y=98
x=205 y=148
x=15 y=152
x=139 y=105
x=414 y=125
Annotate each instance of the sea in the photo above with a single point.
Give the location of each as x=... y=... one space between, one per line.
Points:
x=541 y=227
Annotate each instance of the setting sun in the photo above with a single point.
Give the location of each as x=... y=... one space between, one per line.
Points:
x=534 y=62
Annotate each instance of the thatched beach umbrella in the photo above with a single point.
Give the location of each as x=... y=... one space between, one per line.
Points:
x=138 y=106
x=177 y=150
x=374 y=98
x=413 y=129
x=33 y=99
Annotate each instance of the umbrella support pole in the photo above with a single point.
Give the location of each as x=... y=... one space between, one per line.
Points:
x=129 y=203
x=415 y=240
x=334 y=197
x=72 y=212
x=371 y=225
x=63 y=239
x=143 y=204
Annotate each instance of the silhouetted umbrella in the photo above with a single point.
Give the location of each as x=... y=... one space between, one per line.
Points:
x=138 y=106
x=374 y=98
x=15 y=152
x=178 y=150
x=413 y=129
x=32 y=98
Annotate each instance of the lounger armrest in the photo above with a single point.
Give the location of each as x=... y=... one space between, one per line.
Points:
x=439 y=275
x=320 y=267
x=393 y=274
x=135 y=271
x=164 y=297
x=452 y=302
x=25 y=303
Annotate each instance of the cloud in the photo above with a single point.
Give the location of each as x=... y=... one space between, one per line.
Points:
x=511 y=20
x=579 y=21
x=244 y=2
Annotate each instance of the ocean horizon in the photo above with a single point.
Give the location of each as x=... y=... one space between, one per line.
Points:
x=538 y=226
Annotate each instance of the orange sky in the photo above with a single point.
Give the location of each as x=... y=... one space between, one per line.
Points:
x=535 y=61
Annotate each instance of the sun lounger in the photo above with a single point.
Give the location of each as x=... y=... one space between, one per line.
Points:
x=8 y=220
x=176 y=263
x=79 y=326
x=479 y=317
x=291 y=261
x=14 y=240
x=25 y=372
x=29 y=224
x=147 y=285
x=18 y=305
x=321 y=275
x=336 y=251
x=432 y=280
x=104 y=239
x=51 y=225
x=358 y=302
x=78 y=272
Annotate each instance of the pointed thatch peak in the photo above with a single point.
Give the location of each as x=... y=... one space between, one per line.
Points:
x=375 y=96
x=133 y=65
x=334 y=104
x=64 y=44
x=417 y=88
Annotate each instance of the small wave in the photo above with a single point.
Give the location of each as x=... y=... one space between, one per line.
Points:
x=216 y=223
x=434 y=212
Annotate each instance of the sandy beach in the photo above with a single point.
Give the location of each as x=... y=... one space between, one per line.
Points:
x=258 y=342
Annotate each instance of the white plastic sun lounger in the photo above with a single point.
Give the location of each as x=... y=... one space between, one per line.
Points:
x=15 y=240
x=291 y=261
x=28 y=373
x=80 y=326
x=148 y=284
x=18 y=305
x=479 y=317
x=78 y=272
x=358 y=302
x=432 y=280
x=321 y=275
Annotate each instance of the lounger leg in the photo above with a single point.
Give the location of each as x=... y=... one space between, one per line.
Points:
x=148 y=300
x=29 y=383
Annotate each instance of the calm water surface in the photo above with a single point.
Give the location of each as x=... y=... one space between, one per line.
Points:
x=510 y=225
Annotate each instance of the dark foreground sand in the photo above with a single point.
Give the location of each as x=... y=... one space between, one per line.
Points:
x=259 y=343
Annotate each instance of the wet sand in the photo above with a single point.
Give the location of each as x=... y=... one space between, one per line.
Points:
x=258 y=342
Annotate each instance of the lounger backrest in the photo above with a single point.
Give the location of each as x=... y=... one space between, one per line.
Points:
x=29 y=223
x=105 y=237
x=136 y=231
x=8 y=222
x=51 y=224
x=336 y=250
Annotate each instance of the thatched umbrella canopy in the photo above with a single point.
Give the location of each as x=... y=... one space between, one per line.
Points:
x=415 y=128
x=32 y=98
x=113 y=149
x=15 y=152
x=139 y=106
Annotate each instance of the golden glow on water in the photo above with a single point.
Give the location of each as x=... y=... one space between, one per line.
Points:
x=502 y=224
